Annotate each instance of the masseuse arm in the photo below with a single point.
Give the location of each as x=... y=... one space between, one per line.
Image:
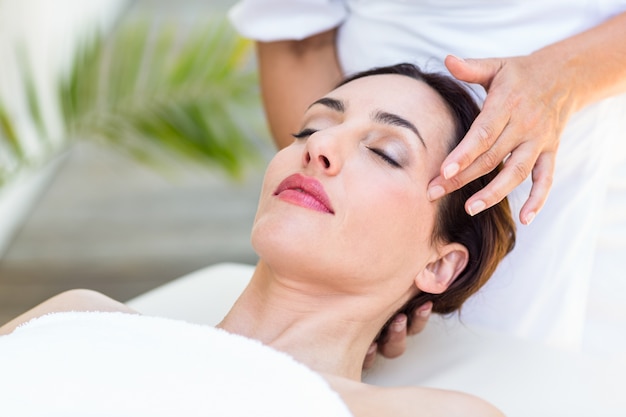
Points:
x=293 y=74
x=529 y=101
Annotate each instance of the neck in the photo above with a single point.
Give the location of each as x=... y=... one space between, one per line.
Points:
x=329 y=332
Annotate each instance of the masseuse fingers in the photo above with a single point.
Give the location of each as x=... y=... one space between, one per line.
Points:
x=485 y=145
x=479 y=142
x=421 y=316
x=517 y=167
x=370 y=357
x=534 y=115
x=394 y=343
x=490 y=122
x=543 y=174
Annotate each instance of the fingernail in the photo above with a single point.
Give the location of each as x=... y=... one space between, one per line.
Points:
x=424 y=311
x=372 y=348
x=458 y=58
x=529 y=218
x=476 y=207
x=450 y=170
x=399 y=324
x=435 y=192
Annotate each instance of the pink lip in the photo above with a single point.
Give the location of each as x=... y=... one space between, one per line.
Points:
x=305 y=192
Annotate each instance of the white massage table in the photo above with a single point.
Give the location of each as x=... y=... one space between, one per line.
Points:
x=521 y=378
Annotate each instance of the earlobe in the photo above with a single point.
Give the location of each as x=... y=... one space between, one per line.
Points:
x=439 y=274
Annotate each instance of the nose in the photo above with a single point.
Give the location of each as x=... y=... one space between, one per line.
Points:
x=322 y=153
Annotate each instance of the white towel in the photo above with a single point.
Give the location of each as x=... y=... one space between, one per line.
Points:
x=116 y=364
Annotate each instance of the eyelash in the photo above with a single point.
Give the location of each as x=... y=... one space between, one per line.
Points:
x=305 y=133
x=385 y=157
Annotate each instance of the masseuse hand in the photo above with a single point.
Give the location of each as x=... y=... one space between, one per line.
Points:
x=394 y=344
x=524 y=113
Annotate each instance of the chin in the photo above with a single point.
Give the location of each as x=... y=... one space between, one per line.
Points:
x=286 y=230
x=275 y=240
x=288 y=251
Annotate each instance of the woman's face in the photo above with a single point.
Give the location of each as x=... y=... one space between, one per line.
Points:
x=347 y=200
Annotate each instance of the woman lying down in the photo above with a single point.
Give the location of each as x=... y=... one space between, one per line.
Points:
x=346 y=238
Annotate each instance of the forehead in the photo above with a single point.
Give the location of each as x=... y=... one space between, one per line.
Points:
x=402 y=95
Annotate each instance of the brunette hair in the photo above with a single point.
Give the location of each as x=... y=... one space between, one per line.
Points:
x=489 y=235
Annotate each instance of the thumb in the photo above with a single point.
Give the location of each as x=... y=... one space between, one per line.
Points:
x=476 y=71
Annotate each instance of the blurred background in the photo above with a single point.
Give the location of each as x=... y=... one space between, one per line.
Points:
x=132 y=145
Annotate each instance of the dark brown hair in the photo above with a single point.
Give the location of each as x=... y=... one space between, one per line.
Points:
x=489 y=235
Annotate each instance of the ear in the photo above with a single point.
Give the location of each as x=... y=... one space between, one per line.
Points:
x=440 y=273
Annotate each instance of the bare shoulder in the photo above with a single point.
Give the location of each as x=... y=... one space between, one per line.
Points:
x=72 y=300
x=372 y=401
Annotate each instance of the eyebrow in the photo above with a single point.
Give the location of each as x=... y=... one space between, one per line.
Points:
x=395 y=120
x=379 y=116
x=332 y=103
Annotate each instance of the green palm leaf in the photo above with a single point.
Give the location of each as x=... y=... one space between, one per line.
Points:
x=158 y=93
x=169 y=95
x=9 y=135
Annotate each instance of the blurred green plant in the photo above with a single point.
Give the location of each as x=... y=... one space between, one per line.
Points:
x=167 y=94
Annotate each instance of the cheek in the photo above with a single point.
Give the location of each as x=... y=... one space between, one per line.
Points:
x=394 y=222
x=274 y=173
x=282 y=164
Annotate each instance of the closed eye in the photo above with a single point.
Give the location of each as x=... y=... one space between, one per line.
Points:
x=304 y=133
x=385 y=157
